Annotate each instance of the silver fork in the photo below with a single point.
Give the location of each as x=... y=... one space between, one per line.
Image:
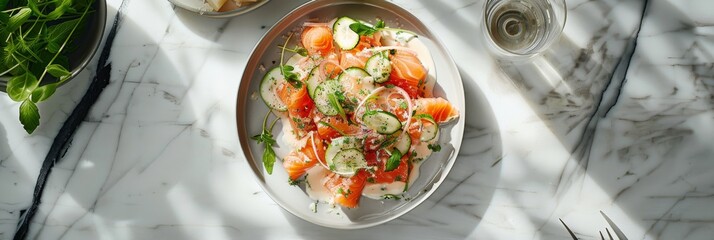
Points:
x=620 y=235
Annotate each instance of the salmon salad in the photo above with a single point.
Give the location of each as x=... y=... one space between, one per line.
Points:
x=356 y=102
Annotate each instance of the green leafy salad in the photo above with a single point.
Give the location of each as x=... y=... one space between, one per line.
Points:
x=36 y=43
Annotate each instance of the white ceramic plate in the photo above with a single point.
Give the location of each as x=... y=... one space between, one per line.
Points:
x=198 y=6
x=250 y=110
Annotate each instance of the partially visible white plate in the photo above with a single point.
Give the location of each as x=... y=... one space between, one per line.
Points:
x=200 y=7
x=250 y=110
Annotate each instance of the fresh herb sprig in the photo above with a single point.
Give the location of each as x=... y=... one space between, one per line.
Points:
x=367 y=30
x=297 y=49
x=334 y=101
x=266 y=138
x=364 y=29
x=393 y=161
x=287 y=70
x=35 y=35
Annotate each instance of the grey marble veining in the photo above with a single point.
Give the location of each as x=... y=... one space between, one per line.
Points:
x=618 y=117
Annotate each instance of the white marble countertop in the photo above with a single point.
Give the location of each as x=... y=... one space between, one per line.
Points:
x=618 y=117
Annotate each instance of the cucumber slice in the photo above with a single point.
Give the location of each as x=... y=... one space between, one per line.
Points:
x=379 y=66
x=429 y=128
x=341 y=144
x=429 y=131
x=345 y=38
x=353 y=72
x=348 y=161
x=322 y=97
x=404 y=142
x=272 y=79
x=360 y=88
x=312 y=81
x=382 y=122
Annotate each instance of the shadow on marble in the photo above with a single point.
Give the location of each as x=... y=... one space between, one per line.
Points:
x=456 y=208
x=641 y=144
x=13 y=186
x=461 y=26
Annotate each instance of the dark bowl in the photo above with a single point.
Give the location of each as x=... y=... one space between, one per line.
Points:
x=87 y=44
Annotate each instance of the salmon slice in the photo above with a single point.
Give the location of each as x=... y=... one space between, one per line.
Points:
x=336 y=125
x=408 y=73
x=284 y=91
x=296 y=164
x=349 y=59
x=300 y=107
x=366 y=42
x=347 y=191
x=317 y=151
x=298 y=161
x=330 y=66
x=317 y=40
x=440 y=109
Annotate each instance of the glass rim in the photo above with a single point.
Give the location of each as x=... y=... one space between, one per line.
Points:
x=550 y=39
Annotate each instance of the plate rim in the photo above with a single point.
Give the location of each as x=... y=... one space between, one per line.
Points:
x=214 y=14
x=243 y=97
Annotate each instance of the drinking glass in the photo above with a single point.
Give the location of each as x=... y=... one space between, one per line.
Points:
x=521 y=29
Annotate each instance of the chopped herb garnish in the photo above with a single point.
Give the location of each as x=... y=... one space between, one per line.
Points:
x=434 y=147
x=300 y=124
x=403 y=105
x=391 y=196
x=294 y=182
x=343 y=192
x=412 y=156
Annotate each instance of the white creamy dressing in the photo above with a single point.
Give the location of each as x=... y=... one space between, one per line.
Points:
x=317 y=175
x=288 y=135
x=315 y=188
x=378 y=190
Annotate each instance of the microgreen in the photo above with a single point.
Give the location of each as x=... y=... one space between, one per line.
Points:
x=287 y=70
x=391 y=196
x=434 y=147
x=35 y=37
x=266 y=138
x=364 y=29
x=299 y=50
